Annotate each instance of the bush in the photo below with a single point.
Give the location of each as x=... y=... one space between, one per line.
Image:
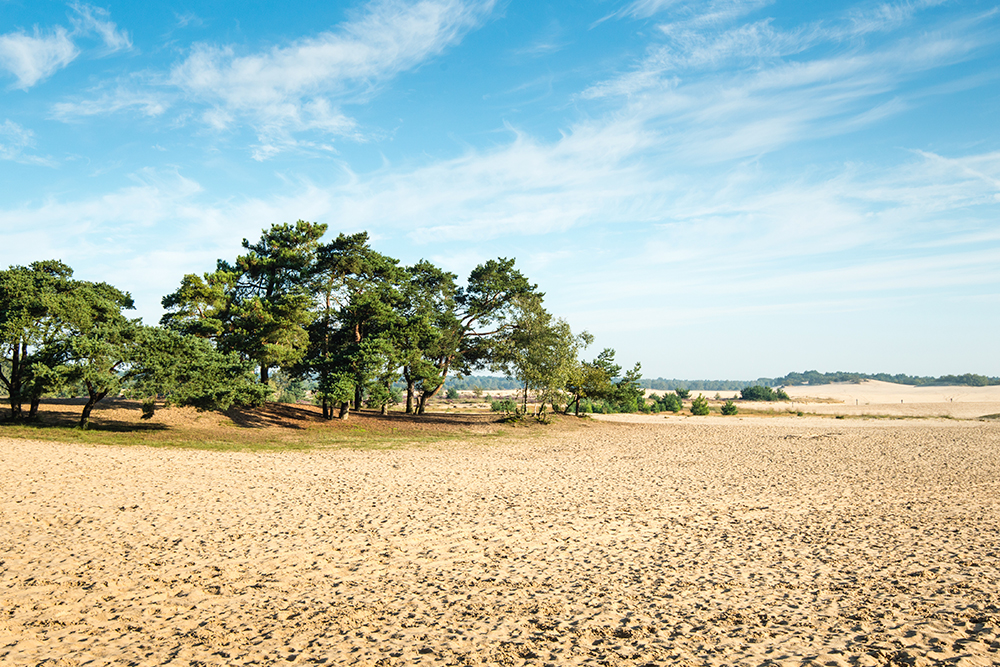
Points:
x=452 y=393
x=669 y=402
x=683 y=393
x=729 y=408
x=762 y=393
x=699 y=406
x=507 y=406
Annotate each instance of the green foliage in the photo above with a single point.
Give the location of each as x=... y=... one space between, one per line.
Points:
x=286 y=388
x=189 y=371
x=595 y=380
x=668 y=402
x=729 y=408
x=539 y=351
x=664 y=384
x=699 y=406
x=258 y=306
x=762 y=393
x=682 y=392
x=815 y=377
x=452 y=393
x=507 y=406
x=31 y=334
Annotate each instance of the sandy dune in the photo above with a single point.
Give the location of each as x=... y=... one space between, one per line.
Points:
x=765 y=541
x=880 y=398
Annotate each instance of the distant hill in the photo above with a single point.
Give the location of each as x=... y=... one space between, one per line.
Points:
x=815 y=377
x=494 y=383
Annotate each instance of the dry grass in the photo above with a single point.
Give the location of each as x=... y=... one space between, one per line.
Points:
x=274 y=426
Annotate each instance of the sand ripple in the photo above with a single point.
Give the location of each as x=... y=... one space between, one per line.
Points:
x=710 y=544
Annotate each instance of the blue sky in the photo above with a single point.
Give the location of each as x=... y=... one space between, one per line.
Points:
x=718 y=189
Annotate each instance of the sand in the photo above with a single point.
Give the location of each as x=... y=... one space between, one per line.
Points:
x=767 y=541
x=872 y=397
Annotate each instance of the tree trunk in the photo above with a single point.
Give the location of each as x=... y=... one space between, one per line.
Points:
x=410 y=389
x=357 y=396
x=345 y=409
x=425 y=396
x=524 y=405
x=385 y=408
x=327 y=412
x=33 y=412
x=263 y=374
x=91 y=402
x=13 y=384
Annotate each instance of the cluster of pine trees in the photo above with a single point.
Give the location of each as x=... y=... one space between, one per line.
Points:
x=339 y=314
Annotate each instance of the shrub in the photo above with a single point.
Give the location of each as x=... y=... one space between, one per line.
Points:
x=762 y=393
x=683 y=393
x=729 y=408
x=452 y=393
x=669 y=402
x=699 y=406
x=507 y=406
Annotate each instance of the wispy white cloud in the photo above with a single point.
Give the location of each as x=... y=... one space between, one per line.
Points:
x=90 y=20
x=885 y=16
x=14 y=139
x=298 y=87
x=811 y=239
x=702 y=13
x=124 y=97
x=34 y=57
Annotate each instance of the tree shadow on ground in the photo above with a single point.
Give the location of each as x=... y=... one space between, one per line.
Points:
x=284 y=415
x=301 y=416
x=114 y=415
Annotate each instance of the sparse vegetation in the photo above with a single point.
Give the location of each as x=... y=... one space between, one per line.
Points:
x=762 y=393
x=668 y=402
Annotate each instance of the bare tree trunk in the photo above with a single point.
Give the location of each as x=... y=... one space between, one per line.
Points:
x=410 y=389
x=263 y=373
x=385 y=408
x=357 y=396
x=33 y=412
x=345 y=409
x=95 y=396
x=13 y=383
x=327 y=412
x=426 y=396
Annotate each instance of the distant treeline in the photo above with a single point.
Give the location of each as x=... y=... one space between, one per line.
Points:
x=696 y=385
x=484 y=382
x=815 y=377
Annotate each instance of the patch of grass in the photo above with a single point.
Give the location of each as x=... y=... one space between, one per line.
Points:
x=271 y=428
x=311 y=439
